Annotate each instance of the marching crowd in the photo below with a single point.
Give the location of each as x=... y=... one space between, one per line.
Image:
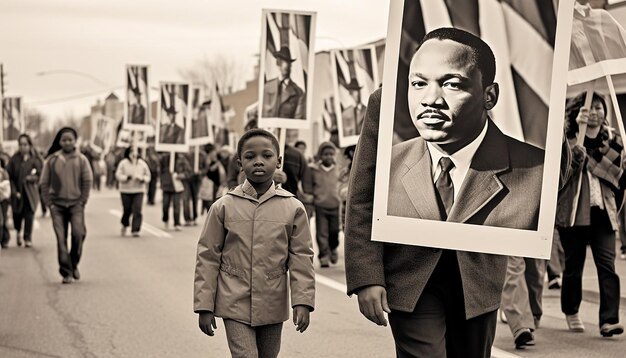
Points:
x=61 y=179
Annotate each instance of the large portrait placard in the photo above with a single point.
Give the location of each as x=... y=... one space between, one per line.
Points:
x=481 y=105
x=12 y=119
x=201 y=114
x=287 y=65
x=102 y=132
x=355 y=77
x=137 y=105
x=173 y=122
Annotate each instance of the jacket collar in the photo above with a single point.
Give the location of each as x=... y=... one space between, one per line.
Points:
x=480 y=186
x=247 y=191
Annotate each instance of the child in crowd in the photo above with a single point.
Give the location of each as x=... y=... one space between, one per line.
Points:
x=65 y=182
x=344 y=179
x=256 y=233
x=326 y=201
x=5 y=195
x=133 y=175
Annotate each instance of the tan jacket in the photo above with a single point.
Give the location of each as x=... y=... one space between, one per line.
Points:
x=246 y=248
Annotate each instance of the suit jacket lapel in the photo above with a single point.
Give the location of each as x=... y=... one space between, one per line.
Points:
x=418 y=182
x=482 y=183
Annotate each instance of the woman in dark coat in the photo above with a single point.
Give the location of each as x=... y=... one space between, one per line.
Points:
x=24 y=169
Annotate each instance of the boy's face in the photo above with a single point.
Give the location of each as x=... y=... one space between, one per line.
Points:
x=328 y=157
x=68 y=142
x=259 y=159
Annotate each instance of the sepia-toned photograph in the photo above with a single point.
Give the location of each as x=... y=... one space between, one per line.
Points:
x=137 y=109
x=173 y=121
x=103 y=132
x=355 y=77
x=12 y=118
x=287 y=63
x=468 y=164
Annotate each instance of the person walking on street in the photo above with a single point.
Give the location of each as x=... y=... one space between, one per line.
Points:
x=152 y=159
x=173 y=187
x=66 y=181
x=587 y=214
x=24 y=170
x=5 y=196
x=192 y=188
x=253 y=236
x=132 y=175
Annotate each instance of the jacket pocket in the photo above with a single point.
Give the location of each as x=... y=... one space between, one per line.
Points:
x=232 y=270
x=276 y=273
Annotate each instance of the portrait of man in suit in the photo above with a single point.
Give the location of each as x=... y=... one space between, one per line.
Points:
x=12 y=108
x=460 y=169
x=199 y=124
x=282 y=97
x=171 y=132
x=352 y=116
x=136 y=105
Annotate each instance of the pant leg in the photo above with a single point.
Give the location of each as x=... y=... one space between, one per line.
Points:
x=555 y=265
x=622 y=229
x=152 y=186
x=29 y=217
x=603 y=249
x=574 y=243
x=515 y=303
x=4 y=240
x=177 y=199
x=167 y=198
x=534 y=274
x=268 y=340
x=60 y=220
x=322 y=232
x=5 y=212
x=17 y=215
x=241 y=339
x=126 y=209
x=194 y=198
x=333 y=228
x=79 y=232
x=186 y=202
x=421 y=333
x=137 y=206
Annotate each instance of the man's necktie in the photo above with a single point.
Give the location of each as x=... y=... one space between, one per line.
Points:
x=444 y=184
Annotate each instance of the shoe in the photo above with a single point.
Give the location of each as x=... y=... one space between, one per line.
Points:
x=166 y=225
x=524 y=337
x=324 y=261
x=334 y=257
x=19 y=240
x=610 y=329
x=76 y=274
x=574 y=323
x=555 y=283
x=4 y=246
x=178 y=228
x=537 y=321
x=124 y=230
x=622 y=256
x=28 y=243
x=66 y=279
x=194 y=223
x=135 y=233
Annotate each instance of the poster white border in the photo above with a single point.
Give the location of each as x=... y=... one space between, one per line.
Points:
x=468 y=237
x=287 y=122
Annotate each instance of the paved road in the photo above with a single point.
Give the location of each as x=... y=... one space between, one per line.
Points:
x=135 y=300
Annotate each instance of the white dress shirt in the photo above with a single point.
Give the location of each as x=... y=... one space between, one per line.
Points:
x=461 y=159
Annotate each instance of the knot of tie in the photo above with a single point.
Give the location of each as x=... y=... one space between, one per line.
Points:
x=446 y=164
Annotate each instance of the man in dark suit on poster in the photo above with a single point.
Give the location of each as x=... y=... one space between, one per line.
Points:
x=11 y=132
x=172 y=133
x=282 y=98
x=461 y=169
x=352 y=116
x=136 y=108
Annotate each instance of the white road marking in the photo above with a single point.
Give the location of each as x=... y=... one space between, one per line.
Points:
x=335 y=285
x=145 y=226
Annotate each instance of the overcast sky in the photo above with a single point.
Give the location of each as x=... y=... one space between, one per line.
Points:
x=100 y=37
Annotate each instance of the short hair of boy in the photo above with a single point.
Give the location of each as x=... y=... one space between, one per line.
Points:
x=256 y=132
x=482 y=55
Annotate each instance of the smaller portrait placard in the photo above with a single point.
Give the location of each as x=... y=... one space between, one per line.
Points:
x=137 y=105
x=173 y=122
x=12 y=119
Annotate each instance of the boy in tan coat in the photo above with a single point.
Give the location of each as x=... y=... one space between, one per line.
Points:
x=252 y=237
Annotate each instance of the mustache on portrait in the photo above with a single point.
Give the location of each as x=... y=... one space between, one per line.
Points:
x=433 y=111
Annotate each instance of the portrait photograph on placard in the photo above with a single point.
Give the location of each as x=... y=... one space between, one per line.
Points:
x=469 y=152
x=137 y=108
x=12 y=118
x=102 y=132
x=287 y=55
x=201 y=131
x=355 y=77
x=125 y=138
x=173 y=120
